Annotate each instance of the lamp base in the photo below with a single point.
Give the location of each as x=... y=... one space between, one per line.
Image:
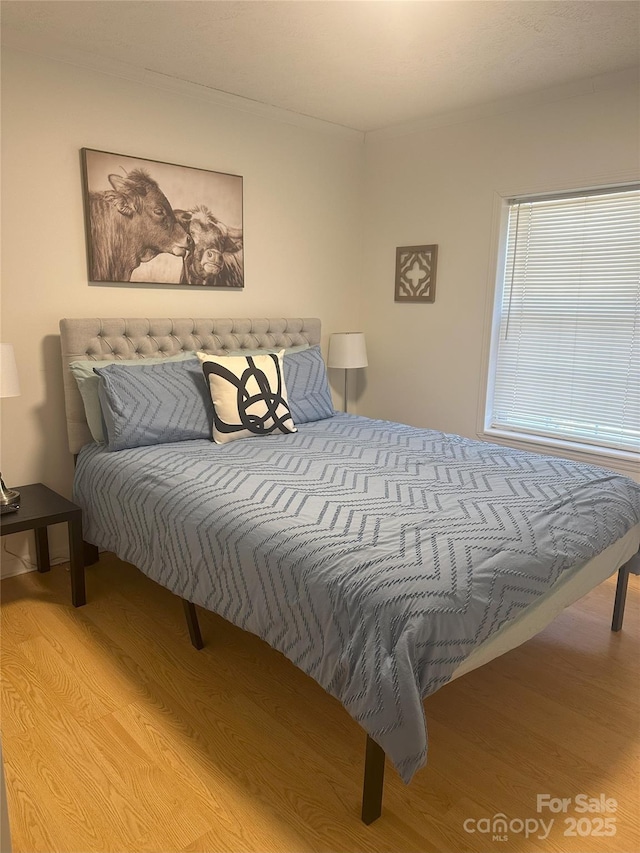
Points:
x=9 y=498
x=345 y=390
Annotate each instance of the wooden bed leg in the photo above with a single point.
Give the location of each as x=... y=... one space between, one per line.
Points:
x=373 y=782
x=192 y=624
x=621 y=595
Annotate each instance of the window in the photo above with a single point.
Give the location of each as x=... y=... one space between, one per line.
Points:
x=565 y=361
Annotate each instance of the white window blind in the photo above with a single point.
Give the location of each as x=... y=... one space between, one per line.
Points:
x=566 y=359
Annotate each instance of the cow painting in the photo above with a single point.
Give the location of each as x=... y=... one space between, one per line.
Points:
x=215 y=258
x=150 y=222
x=131 y=224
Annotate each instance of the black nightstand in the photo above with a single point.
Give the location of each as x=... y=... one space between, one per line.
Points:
x=39 y=507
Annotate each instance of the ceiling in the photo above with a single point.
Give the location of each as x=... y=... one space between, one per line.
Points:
x=363 y=64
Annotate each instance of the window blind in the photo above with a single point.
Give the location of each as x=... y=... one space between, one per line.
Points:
x=566 y=360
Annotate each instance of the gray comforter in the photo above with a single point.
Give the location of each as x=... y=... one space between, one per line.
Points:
x=375 y=556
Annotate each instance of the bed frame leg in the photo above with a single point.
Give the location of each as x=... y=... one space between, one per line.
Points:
x=373 y=782
x=192 y=624
x=621 y=596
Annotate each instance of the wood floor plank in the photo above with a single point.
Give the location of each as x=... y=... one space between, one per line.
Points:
x=20 y=613
x=539 y=713
x=118 y=735
x=16 y=715
x=172 y=819
x=70 y=787
x=32 y=825
x=492 y=733
x=208 y=791
x=59 y=680
x=93 y=667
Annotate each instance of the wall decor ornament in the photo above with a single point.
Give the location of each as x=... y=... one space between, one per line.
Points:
x=416 y=273
x=149 y=222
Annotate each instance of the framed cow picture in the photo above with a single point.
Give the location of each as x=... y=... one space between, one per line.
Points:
x=149 y=222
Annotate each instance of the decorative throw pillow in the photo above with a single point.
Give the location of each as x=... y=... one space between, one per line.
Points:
x=154 y=403
x=306 y=379
x=88 y=383
x=249 y=395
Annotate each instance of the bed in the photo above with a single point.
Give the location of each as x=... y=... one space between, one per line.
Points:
x=383 y=560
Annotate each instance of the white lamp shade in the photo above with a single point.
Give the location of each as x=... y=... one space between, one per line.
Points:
x=9 y=383
x=347 y=349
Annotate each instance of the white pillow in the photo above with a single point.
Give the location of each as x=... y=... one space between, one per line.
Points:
x=249 y=395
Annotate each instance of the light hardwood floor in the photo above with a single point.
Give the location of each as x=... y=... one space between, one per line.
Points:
x=119 y=736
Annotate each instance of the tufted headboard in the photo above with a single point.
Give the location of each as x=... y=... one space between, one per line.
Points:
x=113 y=339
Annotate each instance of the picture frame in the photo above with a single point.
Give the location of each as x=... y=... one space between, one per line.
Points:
x=156 y=223
x=416 y=268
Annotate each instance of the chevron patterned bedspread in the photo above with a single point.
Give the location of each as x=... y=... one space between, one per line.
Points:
x=374 y=555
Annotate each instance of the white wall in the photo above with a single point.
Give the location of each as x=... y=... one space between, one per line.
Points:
x=439 y=185
x=302 y=220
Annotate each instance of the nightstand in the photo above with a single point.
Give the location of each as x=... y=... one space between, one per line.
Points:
x=40 y=507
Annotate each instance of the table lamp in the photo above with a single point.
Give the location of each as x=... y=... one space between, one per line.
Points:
x=347 y=350
x=9 y=387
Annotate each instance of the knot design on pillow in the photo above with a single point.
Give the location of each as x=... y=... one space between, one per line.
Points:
x=262 y=406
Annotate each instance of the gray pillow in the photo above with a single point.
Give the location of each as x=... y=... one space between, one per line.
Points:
x=307 y=387
x=154 y=403
x=88 y=382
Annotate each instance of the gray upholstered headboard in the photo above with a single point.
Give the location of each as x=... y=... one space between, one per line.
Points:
x=114 y=339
